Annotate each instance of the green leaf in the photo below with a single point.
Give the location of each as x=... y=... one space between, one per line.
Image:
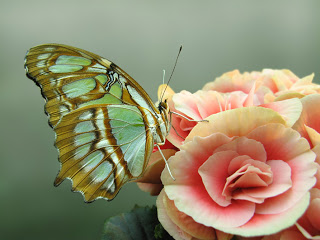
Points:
x=160 y=233
x=140 y=223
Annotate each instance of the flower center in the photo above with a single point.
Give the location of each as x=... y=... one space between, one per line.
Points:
x=247 y=176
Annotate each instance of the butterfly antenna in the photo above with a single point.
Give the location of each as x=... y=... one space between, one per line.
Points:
x=175 y=64
x=165 y=160
x=163 y=76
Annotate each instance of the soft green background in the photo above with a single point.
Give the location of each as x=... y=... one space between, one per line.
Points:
x=143 y=37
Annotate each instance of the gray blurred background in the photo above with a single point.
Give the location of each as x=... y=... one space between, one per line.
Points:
x=143 y=38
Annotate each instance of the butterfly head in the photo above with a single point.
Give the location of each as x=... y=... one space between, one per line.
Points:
x=163 y=107
x=163 y=120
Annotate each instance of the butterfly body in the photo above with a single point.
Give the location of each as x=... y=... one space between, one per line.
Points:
x=106 y=125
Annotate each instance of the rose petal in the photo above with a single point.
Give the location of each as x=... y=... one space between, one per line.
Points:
x=199 y=205
x=229 y=82
x=152 y=188
x=288 y=234
x=236 y=122
x=266 y=224
x=214 y=173
x=313 y=135
x=196 y=202
x=274 y=135
x=305 y=234
x=249 y=175
x=243 y=160
x=289 y=109
x=186 y=223
x=313 y=211
x=310 y=115
x=155 y=166
x=252 y=175
x=282 y=79
x=302 y=174
x=178 y=221
x=185 y=103
x=165 y=92
x=316 y=150
x=208 y=102
x=167 y=223
x=249 y=101
x=183 y=165
x=176 y=135
x=245 y=146
x=150 y=181
x=281 y=174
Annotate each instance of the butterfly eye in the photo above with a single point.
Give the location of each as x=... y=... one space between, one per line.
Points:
x=163 y=106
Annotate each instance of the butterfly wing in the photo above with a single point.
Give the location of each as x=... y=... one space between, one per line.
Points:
x=102 y=118
x=71 y=78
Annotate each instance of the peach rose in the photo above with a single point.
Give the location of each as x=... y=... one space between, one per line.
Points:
x=309 y=223
x=181 y=226
x=244 y=172
x=308 y=124
x=198 y=106
x=307 y=227
x=270 y=84
x=150 y=181
x=202 y=104
x=235 y=81
x=316 y=150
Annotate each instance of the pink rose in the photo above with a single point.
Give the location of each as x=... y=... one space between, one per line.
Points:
x=244 y=172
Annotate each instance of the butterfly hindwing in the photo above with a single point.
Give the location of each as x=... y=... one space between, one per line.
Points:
x=101 y=116
x=101 y=148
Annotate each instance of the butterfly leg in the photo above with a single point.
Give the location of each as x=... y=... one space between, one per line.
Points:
x=177 y=132
x=166 y=162
x=189 y=119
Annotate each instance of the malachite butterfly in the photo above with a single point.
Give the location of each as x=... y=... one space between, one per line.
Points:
x=106 y=125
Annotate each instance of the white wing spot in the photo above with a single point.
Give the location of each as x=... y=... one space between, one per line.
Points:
x=53 y=82
x=83 y=138
x=41 y=63
x=86 y=115
x=97 y=70
x=81 y=151
x=92 y=160
x=85 y=126
x=137 y=97
x=103 y=143
x=44 y=56
x=109 y=184
x=63 y=109
x=97 y=65
x=102 y=172
x=50 y=49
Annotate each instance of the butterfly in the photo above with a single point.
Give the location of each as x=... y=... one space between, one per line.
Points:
x=105 y=124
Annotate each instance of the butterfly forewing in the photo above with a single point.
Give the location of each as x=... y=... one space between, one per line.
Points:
x=104 y=121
